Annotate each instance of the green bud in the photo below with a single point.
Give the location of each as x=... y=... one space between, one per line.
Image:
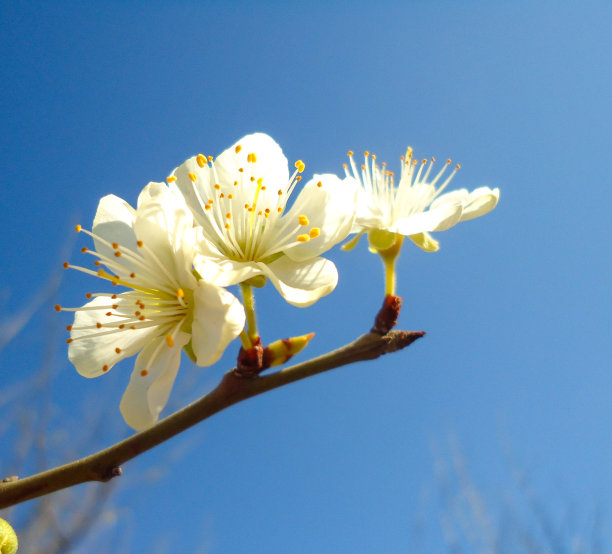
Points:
x=8 y=538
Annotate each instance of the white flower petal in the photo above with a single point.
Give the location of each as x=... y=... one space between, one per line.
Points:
x=441 y=218
x=330 y=208
x=165 y=225
x=480 y=202
x=114 y=222
x=217 y=320
x=90 y=355
x=271 y=164
x=224 y=272
x=302 y=283
x=146 y=395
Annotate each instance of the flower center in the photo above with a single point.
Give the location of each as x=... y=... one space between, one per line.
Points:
x=243 y=217
x=156 y=300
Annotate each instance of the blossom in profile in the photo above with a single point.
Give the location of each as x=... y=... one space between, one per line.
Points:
x=250 y=230
x=415 y=206
x=166 y=308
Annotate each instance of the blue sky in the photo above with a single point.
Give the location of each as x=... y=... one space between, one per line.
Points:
x=102 y=98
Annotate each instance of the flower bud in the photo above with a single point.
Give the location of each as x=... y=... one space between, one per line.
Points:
x=281 y=351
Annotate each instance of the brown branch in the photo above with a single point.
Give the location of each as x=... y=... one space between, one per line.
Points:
x=105 y=465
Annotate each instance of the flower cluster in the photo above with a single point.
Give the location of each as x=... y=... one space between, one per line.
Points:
x=237 y=220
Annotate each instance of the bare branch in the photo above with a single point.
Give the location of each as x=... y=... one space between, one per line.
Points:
x=105 y=465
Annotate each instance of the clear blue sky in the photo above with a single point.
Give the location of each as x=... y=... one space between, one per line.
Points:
x=103 y=97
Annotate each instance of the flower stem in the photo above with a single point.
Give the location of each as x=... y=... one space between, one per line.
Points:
x=249 y=306
x=389 y=257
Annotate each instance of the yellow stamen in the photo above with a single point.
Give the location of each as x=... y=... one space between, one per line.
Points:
x=193 y=177
x=201 y=159
x=171 y=179
x=314 y=232
x=169 y=340
x=303 y=238
x=303 y=220
x=238 y=148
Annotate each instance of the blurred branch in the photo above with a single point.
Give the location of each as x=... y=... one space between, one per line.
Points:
x=105 y=465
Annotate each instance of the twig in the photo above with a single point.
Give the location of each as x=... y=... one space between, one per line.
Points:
x=105 y=465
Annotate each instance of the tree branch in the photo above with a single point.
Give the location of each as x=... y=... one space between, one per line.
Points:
x=105 y=465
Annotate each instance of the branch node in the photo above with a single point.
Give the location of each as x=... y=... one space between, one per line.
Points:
x=388 y=314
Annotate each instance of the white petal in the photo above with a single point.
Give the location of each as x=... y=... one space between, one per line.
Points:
x=146 y=396
x=224 y=272
x=218 y=319
x=480 y=202
x=441 y=218
x=271 y=164
x=187 y=187
x=302 y=283
x=330 y=208
x=459 y=195
x=165 y=225
x=114 y=222
x=90 y=355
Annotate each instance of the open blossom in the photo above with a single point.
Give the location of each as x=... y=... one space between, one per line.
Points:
x=240 y=201
x=149 y=251
x=416 y=206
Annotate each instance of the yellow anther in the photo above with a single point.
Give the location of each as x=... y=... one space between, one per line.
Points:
x=207 y=206
x=78 y=228
x=246 y=206
x=68 y=341
x=241 y=169
x=58 y=308
x=300 y=166
x=99 y=325
x=222 y=195
x=139 y=243
x=373 y=156
x=448 y=161
x=118 y=350
x=228 y=215
x=144 y=372
x=260 y=181
x=169 y=340
x=303 y=220
x=303 y=238
x=65 y=265
x=433 y=159
x=211 y=202
x=279 y=209
x=217 y=186
x=344 y=166
x=171 y=179
x=117 y=254
x=366 y=153
x=193 y=177
x=362 y=167
x=252 y=178
x=68 y=327
x=180 y=293
x=201 y=159
x=414 y=162
x=314 y=232
x=89 y=295
x=298 y=178
x=280 y=192
x=319 y=184
x=424 y=161
x=84 y=249
x=105 y=368
x=238 y=149
x=458 y=166
x=349 y=153
x=230 y=196
x=263 y=187
x=409 y=152
x=235 y=183
x=227 y=225
x=210 y=159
